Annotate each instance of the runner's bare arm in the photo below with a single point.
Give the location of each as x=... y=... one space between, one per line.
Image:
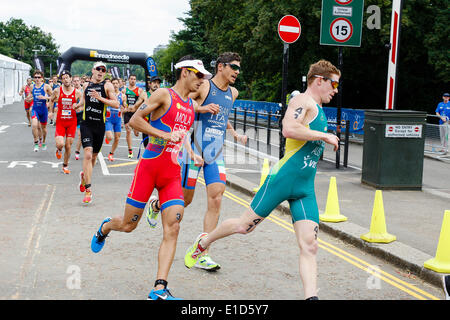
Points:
x=158 y=100
x=80 y=104
x=199 y=97
x=198 y=160
x=53 y=97
x=124 y=102
x=140 y=101
x=49 y=94
x=242 y=138
x=235 y=93
x=295 y=124
x=79 y=96
x=48 y=90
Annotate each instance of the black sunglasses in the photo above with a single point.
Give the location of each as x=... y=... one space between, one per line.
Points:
x=100 y=69
x=233 y=66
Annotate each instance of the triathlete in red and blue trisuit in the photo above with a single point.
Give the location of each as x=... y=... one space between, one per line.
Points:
x=159 y=168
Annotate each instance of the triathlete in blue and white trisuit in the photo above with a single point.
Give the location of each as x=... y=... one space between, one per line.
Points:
x=113 y=124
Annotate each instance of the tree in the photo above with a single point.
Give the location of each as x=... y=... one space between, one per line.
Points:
x=18 y=40
x=250 y=28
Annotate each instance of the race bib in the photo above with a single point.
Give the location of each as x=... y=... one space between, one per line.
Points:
x=66 y=112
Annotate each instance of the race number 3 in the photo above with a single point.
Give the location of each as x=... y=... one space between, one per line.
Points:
x=341 y=29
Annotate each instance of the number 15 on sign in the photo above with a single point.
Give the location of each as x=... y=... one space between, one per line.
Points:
x=341 y=30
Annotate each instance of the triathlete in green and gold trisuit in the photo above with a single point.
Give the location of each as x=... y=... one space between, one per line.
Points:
x=292 y=178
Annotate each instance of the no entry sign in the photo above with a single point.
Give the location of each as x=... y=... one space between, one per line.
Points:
x=289 y=29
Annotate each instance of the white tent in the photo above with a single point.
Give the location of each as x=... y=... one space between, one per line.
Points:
x=13 y=75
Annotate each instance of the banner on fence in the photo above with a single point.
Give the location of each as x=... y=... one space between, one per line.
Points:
x=270 y=107
x=356 y=118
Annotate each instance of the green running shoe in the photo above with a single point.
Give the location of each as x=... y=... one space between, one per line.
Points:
x=194 y=252
x=152 y=215
x=206 y=263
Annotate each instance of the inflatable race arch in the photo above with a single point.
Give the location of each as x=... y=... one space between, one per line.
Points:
x=138 y=58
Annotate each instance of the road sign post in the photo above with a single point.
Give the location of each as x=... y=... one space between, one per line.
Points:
x=391 y=96
x=341 y=25
x=289 y=30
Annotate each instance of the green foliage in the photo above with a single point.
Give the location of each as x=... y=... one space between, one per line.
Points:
x=250 y=28
x=18 y=40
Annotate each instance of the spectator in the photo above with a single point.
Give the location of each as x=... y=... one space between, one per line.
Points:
x=443 y=112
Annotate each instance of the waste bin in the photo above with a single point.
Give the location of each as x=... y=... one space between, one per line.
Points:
x=393 y=151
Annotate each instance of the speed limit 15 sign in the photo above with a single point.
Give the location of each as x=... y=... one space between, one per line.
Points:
x=341 y=22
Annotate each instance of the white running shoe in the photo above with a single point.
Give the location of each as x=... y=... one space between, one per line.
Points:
x=206 y=263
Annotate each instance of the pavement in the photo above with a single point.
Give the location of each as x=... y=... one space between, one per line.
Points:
x=414 y=217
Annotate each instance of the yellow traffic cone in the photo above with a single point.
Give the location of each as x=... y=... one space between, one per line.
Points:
x=332 y=212
x=265 y=171
x=441 y=263
x=378 y=232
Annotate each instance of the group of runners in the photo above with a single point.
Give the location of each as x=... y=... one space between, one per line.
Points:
x=183 y=128
x=73 y=101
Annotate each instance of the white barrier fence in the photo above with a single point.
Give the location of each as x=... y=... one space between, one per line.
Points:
x=436 y=136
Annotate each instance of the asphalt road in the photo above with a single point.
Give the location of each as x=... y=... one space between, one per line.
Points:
x=45 y=235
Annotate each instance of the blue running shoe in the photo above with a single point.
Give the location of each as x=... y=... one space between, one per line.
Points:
x=163 y=294
x=98 y=241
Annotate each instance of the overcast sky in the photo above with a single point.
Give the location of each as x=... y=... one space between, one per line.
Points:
x=133 y=25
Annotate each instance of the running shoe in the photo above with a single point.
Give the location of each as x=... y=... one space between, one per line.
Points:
x=106 y=141
x=130 y=154
x=98 y=241
x=111 y=157
x=87 y=197
x=206 y=263
x=81 y=185
x=163 y=294
x=36 y=148
x=44 y=146
x=58 y=154
x=194 y=252
x=152 y=215
x=446 y=286
x=77 y=155
x=65 y=170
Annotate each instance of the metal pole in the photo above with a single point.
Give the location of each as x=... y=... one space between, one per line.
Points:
x=339 y=107
x=269 y=149
x=347 y=137
x=283 y=95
